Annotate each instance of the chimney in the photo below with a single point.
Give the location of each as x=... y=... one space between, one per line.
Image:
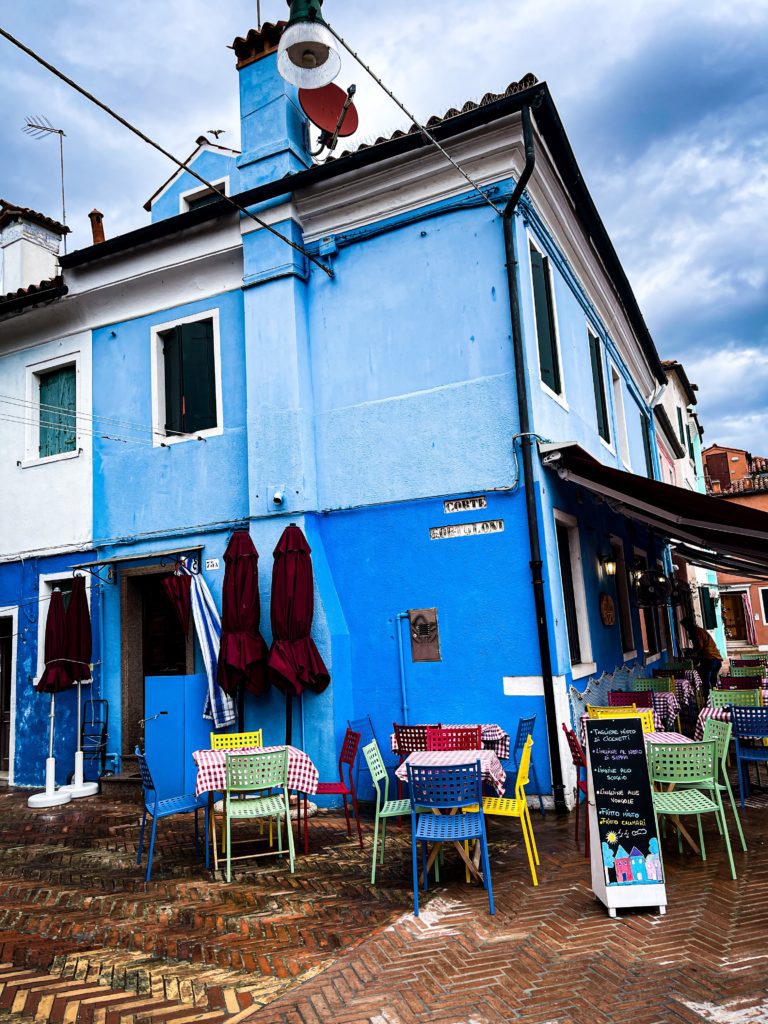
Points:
x=273 y=131
x=29 y=247
x=96 y=217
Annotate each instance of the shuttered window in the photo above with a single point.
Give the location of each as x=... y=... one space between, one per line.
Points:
x=58 y=405
x=646 y=431
x=545 y=321
x=190 y=378
x=598 y=380
x=569 y=593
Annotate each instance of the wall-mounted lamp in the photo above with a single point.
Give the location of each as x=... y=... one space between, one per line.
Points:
x=609 y=566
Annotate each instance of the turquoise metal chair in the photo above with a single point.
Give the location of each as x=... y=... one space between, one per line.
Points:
x=250 y=779
x=156 y=808
x=385 y=808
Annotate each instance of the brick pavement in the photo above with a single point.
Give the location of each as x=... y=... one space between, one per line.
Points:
x=83 y=942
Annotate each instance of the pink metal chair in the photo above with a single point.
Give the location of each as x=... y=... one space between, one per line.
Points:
x=341 y=788
x=454 y=738
x=579 y=762
x=622 y=699
x=740 y=683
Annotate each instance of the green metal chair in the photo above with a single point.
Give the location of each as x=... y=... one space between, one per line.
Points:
x=385 y=808
x=643 y=685
x=691 y=769
x=720 y=733
x=744 y=671
x=250 y=779
x=741 y=698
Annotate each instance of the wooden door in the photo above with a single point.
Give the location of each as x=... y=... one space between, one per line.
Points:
x=6 y=683
x=733 y=617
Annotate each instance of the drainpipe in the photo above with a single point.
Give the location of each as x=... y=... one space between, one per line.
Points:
x=537 y=579
x=403 y=690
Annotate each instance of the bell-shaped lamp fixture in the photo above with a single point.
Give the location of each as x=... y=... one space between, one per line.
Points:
x=307 y=56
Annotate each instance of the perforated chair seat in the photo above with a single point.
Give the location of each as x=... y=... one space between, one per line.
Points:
x=684 y=801
x=396 y=809
x=504 y=806
x=177 y=805
x=442 y=828
x=335 y=789
x=257 y=807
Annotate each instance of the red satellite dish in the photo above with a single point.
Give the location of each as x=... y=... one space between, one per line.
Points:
x=324 y=108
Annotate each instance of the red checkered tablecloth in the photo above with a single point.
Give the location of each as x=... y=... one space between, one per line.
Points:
x=493 y=736
x=302 y=774
x=686 y=689
x=666 y=737
x=719 y=714
x=490 y=765
x=666 y=707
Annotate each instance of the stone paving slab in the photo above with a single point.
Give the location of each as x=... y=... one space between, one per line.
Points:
x=84 y=941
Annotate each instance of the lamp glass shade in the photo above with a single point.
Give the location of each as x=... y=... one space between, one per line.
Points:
x=609 y=564
x=307 y=56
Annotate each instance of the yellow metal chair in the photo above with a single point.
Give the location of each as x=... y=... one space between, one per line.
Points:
x=645 y=714
x=237 y=741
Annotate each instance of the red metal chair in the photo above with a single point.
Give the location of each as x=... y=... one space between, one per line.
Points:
x=454 y=738
x=579 y=762
x=622 y=699
x=740 y=683
x=341 y=788
x=407 y=739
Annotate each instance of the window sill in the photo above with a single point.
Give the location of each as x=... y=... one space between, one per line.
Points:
x=629 y=655
x=607 y=445
x=650 y=658
x=586 y=668
x=560 y=399
x=62 y=457
x=165 y=442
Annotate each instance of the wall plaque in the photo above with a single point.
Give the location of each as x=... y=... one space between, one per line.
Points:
x=465 y=504
x=466 y=529
x=425 y=638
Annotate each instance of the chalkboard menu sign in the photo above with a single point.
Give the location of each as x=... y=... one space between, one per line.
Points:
x=623 y=805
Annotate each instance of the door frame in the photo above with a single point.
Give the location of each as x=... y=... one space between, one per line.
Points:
x=734 y=591
x=12 y=613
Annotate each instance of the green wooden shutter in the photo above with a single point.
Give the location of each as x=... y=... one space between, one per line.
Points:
x=545 y=321
x=689 y=436
x=680 y=429
x=708 y=613
x=646 y=431
x=58 y=404
x=198 y=376
x=598 y=381
x=173 y=387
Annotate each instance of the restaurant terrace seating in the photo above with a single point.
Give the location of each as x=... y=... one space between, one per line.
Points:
x=738 y=698
x=385 y=808
x=645 y=716
x=579 y=762
x=739 y=683
x=454 y=737
x=342 y=788
x=750 y=731
x=517 y=807
x=745 y=671
x=624 y=699
x=251 y=778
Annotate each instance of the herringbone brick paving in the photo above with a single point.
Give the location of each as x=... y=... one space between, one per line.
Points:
x=83 y=942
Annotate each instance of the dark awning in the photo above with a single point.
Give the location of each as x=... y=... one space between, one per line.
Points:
x=711 y=532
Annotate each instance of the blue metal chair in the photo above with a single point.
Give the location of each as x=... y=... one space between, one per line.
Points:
x=440 y=788
x=364 y=726
x=524 y=730
x=750 y=728
x=158 y=808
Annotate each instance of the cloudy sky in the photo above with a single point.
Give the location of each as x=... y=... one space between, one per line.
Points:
x=665 y=103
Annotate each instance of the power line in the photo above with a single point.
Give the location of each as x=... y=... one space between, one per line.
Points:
x=413 y=118
x=156 y=145
x=57 y=425
x=28 y=405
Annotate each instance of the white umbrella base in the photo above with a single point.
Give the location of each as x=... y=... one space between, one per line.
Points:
x=50 y=797
x=79 y=788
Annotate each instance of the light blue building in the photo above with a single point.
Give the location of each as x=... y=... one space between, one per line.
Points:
x=396 y=408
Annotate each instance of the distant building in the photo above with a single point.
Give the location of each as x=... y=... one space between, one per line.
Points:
x=735 y=475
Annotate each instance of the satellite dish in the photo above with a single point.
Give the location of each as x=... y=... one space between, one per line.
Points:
x=332 y=111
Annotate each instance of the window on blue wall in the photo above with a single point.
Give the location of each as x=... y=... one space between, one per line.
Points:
x=689 y=437
x=598 y=382
x=546 y=330
x=680 y=427
x=190 y=377
x=645 y=428
x=58 y=406
x=621 y=580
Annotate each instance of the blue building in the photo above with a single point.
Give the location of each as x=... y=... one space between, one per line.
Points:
x=416 y=411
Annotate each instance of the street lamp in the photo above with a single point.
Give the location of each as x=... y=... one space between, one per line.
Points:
x=307 y=56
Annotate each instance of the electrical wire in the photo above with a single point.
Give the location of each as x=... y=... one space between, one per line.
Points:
x=156 y=145
x=56 y=425
x=27 y=406
x=424 y=131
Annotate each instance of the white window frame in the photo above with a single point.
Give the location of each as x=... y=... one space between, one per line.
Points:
x=561 y=399
x=604 y=364
x=159 y=437
x=620 y=417
x=46 y=584
x=648 y=658
x=587 y=666
x=33 y=372
x=763 y=604
x=621 y=568
x=12 y=613
x=190 y=194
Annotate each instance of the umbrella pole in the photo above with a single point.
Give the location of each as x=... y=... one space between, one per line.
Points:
x=241 y=708
x=288 y=717
x=51 y=797
x=80 y=788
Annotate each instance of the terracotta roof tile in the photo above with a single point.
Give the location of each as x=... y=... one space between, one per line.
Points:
x=10 y=212
x=258 y=43
x=43 y=286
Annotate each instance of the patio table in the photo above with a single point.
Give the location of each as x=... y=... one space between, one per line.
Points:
x=719 y=715
x=493 y=773
x=666 y=707
x=303 y=777
x=493 y=736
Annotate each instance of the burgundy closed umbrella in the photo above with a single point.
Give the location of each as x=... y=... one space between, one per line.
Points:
x=242 y=651
x=179 y=592
x=55 y=678
x=294 y=661
x=78 y=645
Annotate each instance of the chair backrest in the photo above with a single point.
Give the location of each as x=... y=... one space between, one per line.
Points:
x=743 y=683
x=454 y=738
x=349 y=748
x=252 y=773
x=364 y=726
x=375 y=763
x=752 y=658
x=645 y=715
x=746 y=670
x=641 y=685
x=411 y=737
x=683 y=762
x=720 y=733
x=523 y=770
x=664 y=673
x=680 y=664
x=524 y=730
x=622 y=699
x=577 y=754
x=755 y=662
x=752 y=722
x=455 y=785
x=236 y=740
x=739 y=698
x=146 y=774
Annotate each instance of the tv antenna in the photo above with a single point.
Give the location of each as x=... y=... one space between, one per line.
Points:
x=39 y=127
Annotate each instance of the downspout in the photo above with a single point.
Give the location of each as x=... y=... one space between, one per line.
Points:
x=526 y=443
